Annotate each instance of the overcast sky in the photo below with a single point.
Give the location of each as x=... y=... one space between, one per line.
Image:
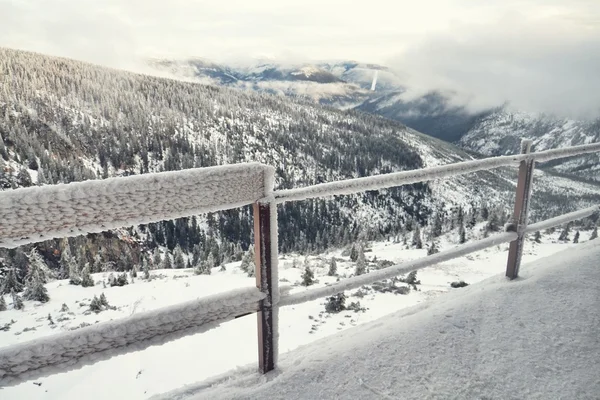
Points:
x=539 y=54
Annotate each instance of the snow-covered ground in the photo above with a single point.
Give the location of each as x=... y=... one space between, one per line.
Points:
x=155 y=370
x=532 y=338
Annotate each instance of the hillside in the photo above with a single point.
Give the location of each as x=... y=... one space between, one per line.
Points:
x=494 y=131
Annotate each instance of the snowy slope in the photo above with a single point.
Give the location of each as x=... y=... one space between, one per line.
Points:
x=501 y=131
x=533 y=338
x=159 y=369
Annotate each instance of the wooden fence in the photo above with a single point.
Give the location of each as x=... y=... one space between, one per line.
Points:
x=41 y=213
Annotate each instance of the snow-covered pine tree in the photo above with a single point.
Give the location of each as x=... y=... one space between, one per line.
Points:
x=248 y=264
x=564 y=235
x=2 y=303
x=416 y=238
x=361 y=263
x=38 y=266
x=17 y=301
x=432 y=248
x=332 y=267
x=462 y=234
x=308 y=277
x=86 y=278
x=537 y=237
x=35 y=289
x=353 y=253
x=156 y=258
x=594 y=234
x=436 y=230
x=576 y=238
x=178 y=261
x=10 y=282
x=166 y=264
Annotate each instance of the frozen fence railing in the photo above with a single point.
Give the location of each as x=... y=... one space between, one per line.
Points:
x=36 y=214
x=39 y=213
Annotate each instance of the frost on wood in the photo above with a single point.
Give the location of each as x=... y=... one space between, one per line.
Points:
x=40 y=213
x=400 y=269
x=71 y=350
x=357 y=185
x=562 y=219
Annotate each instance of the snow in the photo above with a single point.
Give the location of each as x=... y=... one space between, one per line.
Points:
x=160 y=369
x=69 y=350
x=535 y=337
x=39 y=213
x=404 y=268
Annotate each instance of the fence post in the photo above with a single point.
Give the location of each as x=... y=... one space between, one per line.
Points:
x=263 y=248
x=521 y=211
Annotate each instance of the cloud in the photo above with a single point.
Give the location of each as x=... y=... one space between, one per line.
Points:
x=544 y=64
x=544 y=57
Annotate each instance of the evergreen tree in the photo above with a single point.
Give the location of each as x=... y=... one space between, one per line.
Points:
x=332 y=267
x=10 y=282
x=146 y=269
x=432 y=248
x=576 y=238
x=538 y=237
x=336 y=303
x=416 y=238
x=493 y=224
x=38 y=267
x=156 y=258
x=17 y=301
x=436 y=230
x=178 y=261
x=248 y=264
x=74 y=277
x=167 y=261
x=564 y=235
x=2 y=303
x=353 y=253
x=86 y=278
x=361 y=263
x=308 y=277
x=594 y=234
x=35 y=289
x=462 y=234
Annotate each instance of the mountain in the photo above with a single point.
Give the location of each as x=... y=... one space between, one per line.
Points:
x=63 y=121
x=346 y=84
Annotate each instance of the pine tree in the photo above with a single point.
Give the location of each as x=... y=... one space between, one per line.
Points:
x=2 y=303
x=538 y=237
x=416 y=239
x=493 y=224
x=178 y=261
x=308 y=277
x=86 y=278
x=17 y=301
x=361 y=263
x=145 y=269
x=248 y=264
x=564 y=235
x=576 y=238
x=167 y=262
x=353 y=253
x=462 y=234
x=336 y=303
x=156 y=258
x=332 y=267
x=432 y=248
x=10 y=282
x=35 y=289
x=74 y=277
x=436 y=230
x=37 y=266
x=210 y=264
x=594 y=234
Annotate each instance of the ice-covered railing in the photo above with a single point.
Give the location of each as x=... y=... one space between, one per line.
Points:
x=36 y=214
x=39 y=213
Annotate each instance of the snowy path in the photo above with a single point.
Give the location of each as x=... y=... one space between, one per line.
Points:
x=534 y=338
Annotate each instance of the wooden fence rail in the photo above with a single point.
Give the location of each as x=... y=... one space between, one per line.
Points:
x=36 y=214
